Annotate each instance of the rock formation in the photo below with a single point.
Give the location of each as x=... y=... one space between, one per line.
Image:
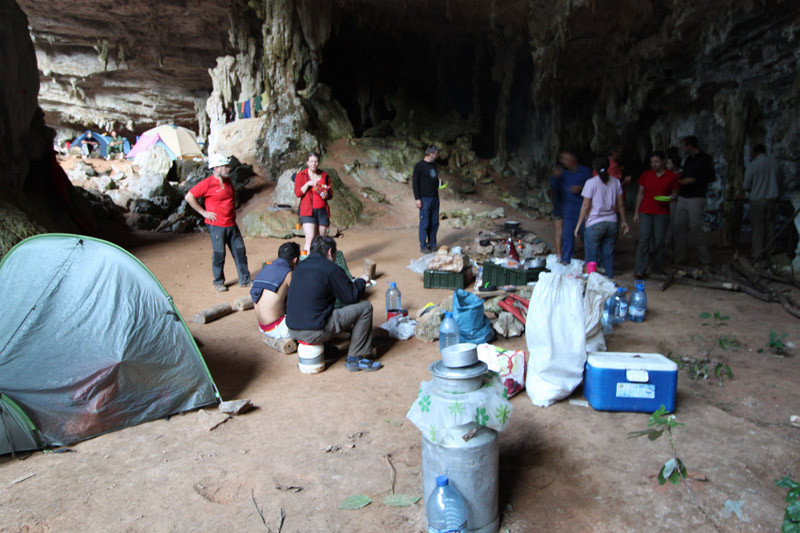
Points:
x=508 y=81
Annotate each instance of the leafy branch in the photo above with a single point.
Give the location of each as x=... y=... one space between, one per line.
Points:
x=791 y=517
x=673 y=470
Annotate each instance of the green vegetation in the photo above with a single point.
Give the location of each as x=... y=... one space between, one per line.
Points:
x=791 y=517
x=673 y=470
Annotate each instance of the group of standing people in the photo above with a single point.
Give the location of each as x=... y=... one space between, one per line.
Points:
x=590 y=204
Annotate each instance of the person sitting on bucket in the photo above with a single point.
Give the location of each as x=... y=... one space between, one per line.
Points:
x=220 y=218
x=270 y=288
x=310 y=315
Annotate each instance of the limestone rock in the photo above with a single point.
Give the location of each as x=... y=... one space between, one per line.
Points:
x=238 y=138
x=142 y=221
x=154 y=160
x=508 y=326
x=149 y=184
x=284 y=190
x=278 y=224
x=190 y=172
x=104 y=183
x=331 y=116
x=121 y=197
x=345 y=206
x=428 y=325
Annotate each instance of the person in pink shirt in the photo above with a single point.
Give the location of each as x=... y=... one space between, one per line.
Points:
x=657 y=187
x=602 y=199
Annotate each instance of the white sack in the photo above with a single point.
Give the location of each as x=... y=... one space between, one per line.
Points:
x=556 y=338
x=598 y=289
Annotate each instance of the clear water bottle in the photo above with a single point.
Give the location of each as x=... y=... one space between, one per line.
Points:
x=621 y=306
x=394 y=300
x=448 y=331
x=446 y=510
x=638 y=305
x=607 y=318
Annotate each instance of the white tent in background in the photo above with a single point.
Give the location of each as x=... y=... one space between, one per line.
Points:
x=178 y=141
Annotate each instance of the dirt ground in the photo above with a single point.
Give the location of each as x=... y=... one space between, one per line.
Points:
x=314 y=440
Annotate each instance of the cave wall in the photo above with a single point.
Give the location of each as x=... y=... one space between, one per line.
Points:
x=510 y=81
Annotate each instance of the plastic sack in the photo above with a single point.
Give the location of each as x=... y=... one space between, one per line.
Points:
x=574 y=268
x=556 y=339
x=473 y=326
x=420 y=265
x=598 y=289
x=509 y=364
x=400 y=327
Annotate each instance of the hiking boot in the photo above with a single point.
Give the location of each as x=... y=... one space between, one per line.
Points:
x=221 y=288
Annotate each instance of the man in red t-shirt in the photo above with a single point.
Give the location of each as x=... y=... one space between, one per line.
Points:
x=656 y=188
x=220 y=214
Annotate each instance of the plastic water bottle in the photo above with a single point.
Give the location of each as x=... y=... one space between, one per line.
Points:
x=638 y=305
x=448 y=331
x=607 y=318
x=446 y=510
x=621 y=306
x=394 y=300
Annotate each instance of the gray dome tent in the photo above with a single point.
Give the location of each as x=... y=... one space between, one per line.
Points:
x=90 y=342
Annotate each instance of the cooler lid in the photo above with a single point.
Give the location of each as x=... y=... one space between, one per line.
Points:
x=630 y=361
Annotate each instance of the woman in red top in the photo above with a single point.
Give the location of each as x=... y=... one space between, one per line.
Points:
x=313 y=187
x=652 y=214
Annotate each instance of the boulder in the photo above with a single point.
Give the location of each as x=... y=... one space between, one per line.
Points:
x=284 y=190
x=121 y=197
x=142 y=221
x=345 y=206
x=154 y=160
x=158 y=206
x=238 y=138
x=278 y=224
x=104 y=183
x=191 y=172
x=428 y=325
x=508 y=326
x=148 y=184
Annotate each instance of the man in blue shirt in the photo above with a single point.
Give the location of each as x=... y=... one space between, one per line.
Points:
x=567 y=182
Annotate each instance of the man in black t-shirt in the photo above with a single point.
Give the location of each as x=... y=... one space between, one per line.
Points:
x=425 y=182
x=698 y=174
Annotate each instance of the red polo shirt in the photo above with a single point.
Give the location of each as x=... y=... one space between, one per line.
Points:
x=218 y=200
x=654 y=185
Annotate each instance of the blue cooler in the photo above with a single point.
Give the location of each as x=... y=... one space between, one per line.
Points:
x=639 y=382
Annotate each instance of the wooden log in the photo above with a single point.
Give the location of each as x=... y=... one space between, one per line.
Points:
x=244 y=303
x=369 y=268
x=285 y=345
x=691 y=282
x=212 y=313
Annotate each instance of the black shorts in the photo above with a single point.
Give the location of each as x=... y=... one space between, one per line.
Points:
x=318 y=217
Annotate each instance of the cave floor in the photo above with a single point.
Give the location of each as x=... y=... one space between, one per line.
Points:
x=314 y=440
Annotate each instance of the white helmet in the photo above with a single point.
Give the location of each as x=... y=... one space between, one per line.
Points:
x=218 y=160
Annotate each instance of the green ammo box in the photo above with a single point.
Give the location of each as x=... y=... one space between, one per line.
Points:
x=439 y=279
x=500 y=275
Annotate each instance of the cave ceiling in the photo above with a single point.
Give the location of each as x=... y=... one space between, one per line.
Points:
x=148 y=61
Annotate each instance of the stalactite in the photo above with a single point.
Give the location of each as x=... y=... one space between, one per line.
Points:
x=101 y=46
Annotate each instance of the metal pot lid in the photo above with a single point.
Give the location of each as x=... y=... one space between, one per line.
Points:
x=439 y=370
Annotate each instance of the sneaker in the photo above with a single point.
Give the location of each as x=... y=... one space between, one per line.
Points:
x=245 y=285
x=221 y=288
x=425 y=249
